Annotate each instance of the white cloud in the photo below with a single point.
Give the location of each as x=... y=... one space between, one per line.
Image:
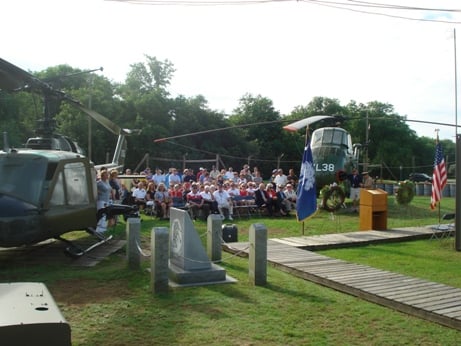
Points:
x=289 y=52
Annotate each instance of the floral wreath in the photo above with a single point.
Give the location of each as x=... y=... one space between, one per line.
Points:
x=333 y=197
x=405 y=192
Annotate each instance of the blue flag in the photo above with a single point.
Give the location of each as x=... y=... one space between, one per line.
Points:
x=306 y=203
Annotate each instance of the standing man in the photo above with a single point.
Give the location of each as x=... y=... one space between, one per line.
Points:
x=367 y=181
x=355 y=180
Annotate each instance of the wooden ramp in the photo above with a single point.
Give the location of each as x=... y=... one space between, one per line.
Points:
x=340 y=240
x=428 y=300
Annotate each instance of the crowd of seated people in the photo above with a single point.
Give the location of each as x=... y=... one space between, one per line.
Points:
x=214 y=191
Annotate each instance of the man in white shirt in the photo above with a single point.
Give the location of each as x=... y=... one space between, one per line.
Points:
x=139 y=195
x=280 y=178
x=224 y=201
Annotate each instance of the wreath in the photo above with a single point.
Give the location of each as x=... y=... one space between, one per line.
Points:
x=405 y=192
x=332 y=197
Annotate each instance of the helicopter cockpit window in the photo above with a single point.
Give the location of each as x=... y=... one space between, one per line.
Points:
x=22 y=177
x=71 y=186
x=76 y=184
x=339 y=137
x=317 y=138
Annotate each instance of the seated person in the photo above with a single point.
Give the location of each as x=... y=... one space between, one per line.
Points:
x=196 y=202
x=162 y=201
x=208 y=198
x=276 y=202
x=291 y=196
x=150 y=194
x=283 y=200
x=125 y=195
x=224 y=202
x=177 y=196
x=262 y=199
x=139 y=195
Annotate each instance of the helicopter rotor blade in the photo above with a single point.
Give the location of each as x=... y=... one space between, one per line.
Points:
x=297 y=125
x=108 y=124
x=12 y=77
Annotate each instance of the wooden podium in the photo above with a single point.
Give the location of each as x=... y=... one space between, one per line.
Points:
x=373 y=209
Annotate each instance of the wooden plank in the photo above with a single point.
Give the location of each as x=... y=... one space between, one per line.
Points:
x=418 y=288
x=421 y=298
x=416 y=291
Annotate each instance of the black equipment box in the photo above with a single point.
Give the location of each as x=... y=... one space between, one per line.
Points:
x=230 y=233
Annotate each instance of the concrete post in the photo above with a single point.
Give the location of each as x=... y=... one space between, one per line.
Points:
x=214 y=237
x=159 y=259
x=133 y=236
x=258 y=254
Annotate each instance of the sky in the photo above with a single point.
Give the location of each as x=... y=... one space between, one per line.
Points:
x=287 y=51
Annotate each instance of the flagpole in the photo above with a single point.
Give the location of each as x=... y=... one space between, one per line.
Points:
x=306 y=138
x=457 y=159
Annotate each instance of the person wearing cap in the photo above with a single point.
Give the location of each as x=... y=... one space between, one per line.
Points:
x=367 y=181
x=188 y=176
x=355 y=180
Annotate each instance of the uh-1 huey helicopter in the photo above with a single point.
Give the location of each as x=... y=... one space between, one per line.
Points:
x=49 y=187
x=333 y=155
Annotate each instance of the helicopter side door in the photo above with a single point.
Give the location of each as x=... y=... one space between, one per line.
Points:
x=71 y=201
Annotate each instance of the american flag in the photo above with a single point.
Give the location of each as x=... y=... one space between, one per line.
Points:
x=439 y=175
x=306 y=204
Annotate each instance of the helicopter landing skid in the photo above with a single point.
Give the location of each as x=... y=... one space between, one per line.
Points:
x=76 y=251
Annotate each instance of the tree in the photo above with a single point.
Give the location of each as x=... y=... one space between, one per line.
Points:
x=267 y=140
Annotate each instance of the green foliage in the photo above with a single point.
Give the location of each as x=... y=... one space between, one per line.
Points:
x=143 y=102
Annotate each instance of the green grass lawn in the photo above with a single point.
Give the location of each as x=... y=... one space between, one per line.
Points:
x=112 y=305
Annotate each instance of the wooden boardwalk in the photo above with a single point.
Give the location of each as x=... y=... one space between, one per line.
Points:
x=340 y=240
x=427 y=300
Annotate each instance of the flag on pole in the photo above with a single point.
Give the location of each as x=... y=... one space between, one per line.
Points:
x=306 y=203
x=439 y=175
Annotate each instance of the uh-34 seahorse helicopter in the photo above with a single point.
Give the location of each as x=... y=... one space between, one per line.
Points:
x=333 y=155
x=49 y=188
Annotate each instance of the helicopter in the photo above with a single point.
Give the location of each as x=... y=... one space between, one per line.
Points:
x=49 y=188
x=332 y=148
x=333 y=156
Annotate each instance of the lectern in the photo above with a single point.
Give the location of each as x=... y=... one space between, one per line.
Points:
x=373 y=209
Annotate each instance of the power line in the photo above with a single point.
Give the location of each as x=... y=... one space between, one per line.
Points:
x=348 y=5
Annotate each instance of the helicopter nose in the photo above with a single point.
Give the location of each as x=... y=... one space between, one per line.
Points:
x=18 y=222
x=12 y=207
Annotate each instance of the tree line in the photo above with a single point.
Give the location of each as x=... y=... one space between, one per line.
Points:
x=144 y=102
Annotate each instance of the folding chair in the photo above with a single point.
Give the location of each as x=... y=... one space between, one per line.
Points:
x=445 y=230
